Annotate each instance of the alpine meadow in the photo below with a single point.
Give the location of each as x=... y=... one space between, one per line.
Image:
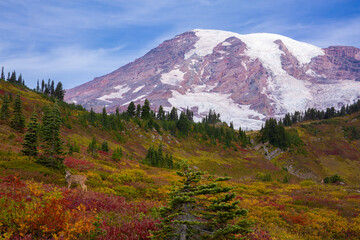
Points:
x=180 y=120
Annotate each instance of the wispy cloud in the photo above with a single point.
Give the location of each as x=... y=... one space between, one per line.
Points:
x=75 y=41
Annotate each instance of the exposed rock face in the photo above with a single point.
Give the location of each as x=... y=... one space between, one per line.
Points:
x=245 y=78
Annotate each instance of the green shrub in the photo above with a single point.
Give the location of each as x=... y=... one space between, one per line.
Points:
x=333 y=179
x=265 y=177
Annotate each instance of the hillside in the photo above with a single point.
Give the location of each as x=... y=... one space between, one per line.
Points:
x=124 y=194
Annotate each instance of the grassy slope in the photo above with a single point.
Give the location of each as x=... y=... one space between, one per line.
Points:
x=327 y=150
x=284 y=211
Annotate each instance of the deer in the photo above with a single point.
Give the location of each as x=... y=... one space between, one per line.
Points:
x=80 y=179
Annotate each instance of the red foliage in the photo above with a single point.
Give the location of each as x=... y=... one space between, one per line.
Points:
x=353 y=197
x=78 y=163
x=296 y=218
x=316 y=202
x=134 y=230
x=259 y=234
x=103 y=153
x=107 y=203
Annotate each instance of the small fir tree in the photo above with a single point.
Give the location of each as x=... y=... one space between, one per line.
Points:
x=31 y=138
x=183 y=124
x=2 y=74
x=138 y=111
x=131 y=110
x=201 y=209
x=145 y=110
x=104 y=119
x=18 y=120
x=161 y=113
x=173 y=116
x=52 y=144
x=105 y=146
x=117 y=154
x=92 y=117
x=5 y=112
x=92 y=148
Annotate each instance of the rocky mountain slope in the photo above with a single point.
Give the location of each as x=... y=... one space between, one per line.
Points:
x=246 y=78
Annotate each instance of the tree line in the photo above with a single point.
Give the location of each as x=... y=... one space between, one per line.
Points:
x=314 y=114
x=49 y=89
x=275 y=133
x=11 y=78
x=178 y=123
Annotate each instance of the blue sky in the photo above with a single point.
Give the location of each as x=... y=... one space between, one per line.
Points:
x=73 y=41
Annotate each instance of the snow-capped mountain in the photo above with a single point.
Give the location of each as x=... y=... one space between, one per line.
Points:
x=245 y=78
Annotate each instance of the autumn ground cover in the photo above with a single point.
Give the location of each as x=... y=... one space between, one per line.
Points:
x=124 y=196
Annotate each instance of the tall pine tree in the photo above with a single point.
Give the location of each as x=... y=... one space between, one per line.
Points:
x=2 y=74
x=145 y=110
x=31 y=138
x=53 y=145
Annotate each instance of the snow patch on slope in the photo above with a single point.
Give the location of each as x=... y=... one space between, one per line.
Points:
x=240 y=115
x=138 y=89
x=122 y=89
x=173 y=77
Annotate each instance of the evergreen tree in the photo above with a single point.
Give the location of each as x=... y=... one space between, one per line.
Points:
x=105 y=146
x=51 y=124
x=20 y=80
x=173 y=116
x=200 y=210
x=92 y=117
x=145 y=110
x=18 y=120
x=138 y=111
x=2 y=74
x=59 y=92
x=93 y=147
x=117 y=154
x=161 y=113
x=12 y=79
x=117 y=113
x=31 y=138
x=169 y=161
x=52 y=144
x=5 y=112
x=156 y=158
x=131 y=109
x=104 y=118
x=183 y=124
x=37 y=86
x=189 y=115
x=52 y=88
x=42 y=86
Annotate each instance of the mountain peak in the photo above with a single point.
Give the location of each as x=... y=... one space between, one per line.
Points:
x=244 y=77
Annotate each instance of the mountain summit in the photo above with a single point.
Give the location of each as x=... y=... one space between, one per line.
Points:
x=245 y=78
